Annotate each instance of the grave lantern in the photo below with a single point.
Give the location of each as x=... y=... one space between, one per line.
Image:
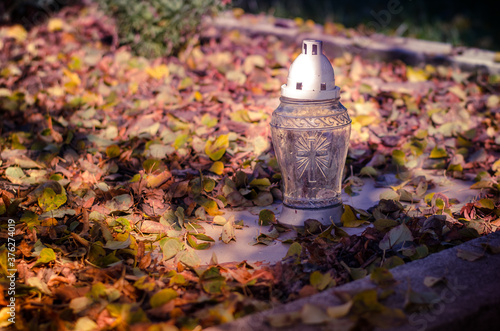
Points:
x=310 y=133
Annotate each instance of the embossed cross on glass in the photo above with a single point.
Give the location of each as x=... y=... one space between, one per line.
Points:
x=310 y=132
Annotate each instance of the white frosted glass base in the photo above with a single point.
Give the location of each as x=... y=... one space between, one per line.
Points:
x=297 y=217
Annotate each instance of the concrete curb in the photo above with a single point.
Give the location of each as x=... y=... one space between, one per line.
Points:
x=378 y=47
x=470 y=300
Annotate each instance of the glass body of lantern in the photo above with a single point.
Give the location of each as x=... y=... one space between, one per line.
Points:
x=311 y=140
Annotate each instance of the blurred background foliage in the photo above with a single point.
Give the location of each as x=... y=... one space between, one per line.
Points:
x=458 y=22
x=158 y=27
x=151 y=28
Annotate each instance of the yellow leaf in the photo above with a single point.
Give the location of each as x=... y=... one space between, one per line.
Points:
x=17 y=32
x=158 y=72
x=416 y=75
x=496 y=166
x=349 y=219
x=217 y=168
x=364 y=120
x=133 y=87
x=216 y=149
x=211 y=208
x=74 y=79
x=55 y=24
x=299 y=21
x=198 y=96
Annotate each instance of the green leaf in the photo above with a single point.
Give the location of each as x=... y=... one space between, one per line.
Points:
x=113 y=151
x=204 y=237
x=212 y=281
x=260 y=182
x=208 y=120
x=266 y=238
x=208 y=184
x=389 y=195
x=383 y=224
x=193 y=243
x=438 y=153
x=397 y=235
x=356 y=273
x=170 y=247
x=162 y=297
x=189 y=258
x=294 y=250
x=485 y=203
x=46 y=255
x=215 y=150
x=31 y=219
x=392 y=262
x=263 y=199
x=349 y=220
x=398 y=157
x=49 y=200
x=266 y=217
x=321 y=281
x=368 y=171
x=16 y=175
x=151 y=165
x=180 y=140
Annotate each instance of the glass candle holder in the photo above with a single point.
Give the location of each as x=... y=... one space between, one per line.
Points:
x=311 y=139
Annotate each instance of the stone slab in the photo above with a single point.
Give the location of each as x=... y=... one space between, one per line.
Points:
x=377 y=46
x=470 y=300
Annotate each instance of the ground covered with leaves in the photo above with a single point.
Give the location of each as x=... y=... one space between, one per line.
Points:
x=111 y=165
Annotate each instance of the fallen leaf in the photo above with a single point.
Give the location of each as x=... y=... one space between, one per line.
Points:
x=46 y=255
x=469 y=255
x=162 y=297
x=396 y=235
x=228 y=232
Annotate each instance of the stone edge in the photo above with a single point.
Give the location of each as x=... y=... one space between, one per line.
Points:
x=378 y=47
x=470 y=300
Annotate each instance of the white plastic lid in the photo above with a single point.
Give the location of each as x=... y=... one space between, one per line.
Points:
x=311 y=75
